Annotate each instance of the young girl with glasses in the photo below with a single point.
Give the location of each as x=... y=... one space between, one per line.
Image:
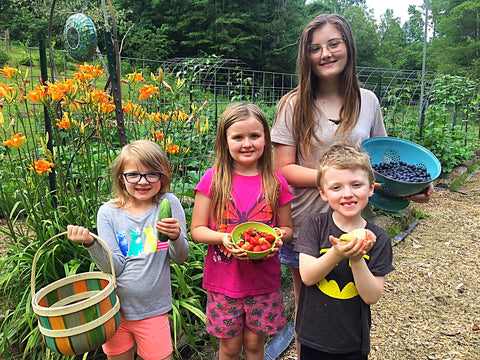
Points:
x=244 y=301
x=129 y=224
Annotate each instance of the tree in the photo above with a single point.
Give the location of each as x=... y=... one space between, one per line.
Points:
x=392 y=41
x=365 y=33
x=457 y=44
x=414 y=31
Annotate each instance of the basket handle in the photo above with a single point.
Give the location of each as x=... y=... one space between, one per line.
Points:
x=37 y=254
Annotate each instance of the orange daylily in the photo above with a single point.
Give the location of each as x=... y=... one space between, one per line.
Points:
x=41 y=166
x=88 y=71
x=100 y=96
x=159 y=135
x=147 y=91
x=9 y=71
x=172 y=149
x=178 y=115
x=64 y=123
x=67 y=89
x=159 y=117
x=106 y=108
x=39 y=95
x=8 y=92
x=135 y=77
x=135 y=110
x=15 y=141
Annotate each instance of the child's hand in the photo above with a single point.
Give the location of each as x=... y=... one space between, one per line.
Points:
x=79 y=234
x=370 y=241
x=238 y=253
x=169 y=227
x=275 y=248
x=354 y=249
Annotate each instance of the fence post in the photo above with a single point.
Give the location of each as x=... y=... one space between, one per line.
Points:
x=48 y=122
x=115 y=81
x=7 y=40
x=379 y=87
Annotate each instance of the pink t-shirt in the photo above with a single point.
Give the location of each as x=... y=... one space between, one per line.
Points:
x=224 y=273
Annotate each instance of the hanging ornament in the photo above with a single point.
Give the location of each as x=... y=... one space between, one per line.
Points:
x=80 y=37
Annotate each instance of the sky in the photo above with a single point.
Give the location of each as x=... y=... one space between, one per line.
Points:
x=399 y=7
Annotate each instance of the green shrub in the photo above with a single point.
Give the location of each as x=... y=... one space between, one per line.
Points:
x=4 y=58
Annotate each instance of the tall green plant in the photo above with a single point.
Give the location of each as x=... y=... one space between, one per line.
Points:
x=61 y=177
x=451 y=100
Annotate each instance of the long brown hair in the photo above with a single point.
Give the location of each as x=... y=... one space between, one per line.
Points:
x=303 y=119
x=223 y=178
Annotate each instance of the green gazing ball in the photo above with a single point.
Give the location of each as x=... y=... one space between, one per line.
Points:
x=80 y=37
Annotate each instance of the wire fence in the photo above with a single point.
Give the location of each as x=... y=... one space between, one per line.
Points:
x=229 y=80
x=221 y=81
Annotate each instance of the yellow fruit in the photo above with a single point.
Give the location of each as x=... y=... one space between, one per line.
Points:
x=361 y=234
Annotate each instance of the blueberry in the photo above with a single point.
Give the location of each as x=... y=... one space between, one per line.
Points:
x=400 y=170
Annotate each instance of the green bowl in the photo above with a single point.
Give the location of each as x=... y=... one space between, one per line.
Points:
x=237 y=237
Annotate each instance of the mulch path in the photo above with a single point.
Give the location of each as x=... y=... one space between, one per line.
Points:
x=431 y=305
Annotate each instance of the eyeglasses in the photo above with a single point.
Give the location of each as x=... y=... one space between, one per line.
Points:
x=135 y=178
x=333 y=46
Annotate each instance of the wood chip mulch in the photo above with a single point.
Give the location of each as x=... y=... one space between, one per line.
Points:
x=430 y=308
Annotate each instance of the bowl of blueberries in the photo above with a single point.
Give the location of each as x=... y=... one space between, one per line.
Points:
x=402 y=168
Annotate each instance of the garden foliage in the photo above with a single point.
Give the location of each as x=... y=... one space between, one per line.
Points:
x=58 y=142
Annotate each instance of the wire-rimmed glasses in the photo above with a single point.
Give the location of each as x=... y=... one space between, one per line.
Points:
x=333 y=46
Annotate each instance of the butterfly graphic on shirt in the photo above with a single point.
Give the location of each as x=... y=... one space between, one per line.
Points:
x=260 y=211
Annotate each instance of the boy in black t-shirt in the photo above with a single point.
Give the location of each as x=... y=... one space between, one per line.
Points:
x=341 y=279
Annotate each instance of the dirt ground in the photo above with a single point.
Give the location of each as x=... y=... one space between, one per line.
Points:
x=431 y=305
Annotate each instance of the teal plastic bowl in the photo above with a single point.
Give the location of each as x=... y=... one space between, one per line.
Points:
x=388 y=149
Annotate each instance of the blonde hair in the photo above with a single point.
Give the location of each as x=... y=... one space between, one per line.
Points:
x=344 y=156
x=150 y=155
x=303 y=119
x=223 y=177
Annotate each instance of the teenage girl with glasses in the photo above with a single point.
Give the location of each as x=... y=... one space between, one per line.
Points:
x=327 y=106
x=128 y=224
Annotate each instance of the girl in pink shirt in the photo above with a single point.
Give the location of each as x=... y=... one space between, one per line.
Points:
x=244 y=298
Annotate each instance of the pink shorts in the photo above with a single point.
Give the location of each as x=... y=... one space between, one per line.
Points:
x=152 y=336
x=261 y=314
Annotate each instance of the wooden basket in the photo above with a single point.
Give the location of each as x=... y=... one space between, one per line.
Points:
x=78 y=313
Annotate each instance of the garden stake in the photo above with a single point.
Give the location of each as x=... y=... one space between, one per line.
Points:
x=48 y=122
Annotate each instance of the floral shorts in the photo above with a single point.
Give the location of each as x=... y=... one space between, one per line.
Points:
x=261 y=314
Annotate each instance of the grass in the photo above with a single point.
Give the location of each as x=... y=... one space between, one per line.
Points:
x=461 y=180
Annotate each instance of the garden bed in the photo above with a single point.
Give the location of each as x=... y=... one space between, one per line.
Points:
x=431 y=305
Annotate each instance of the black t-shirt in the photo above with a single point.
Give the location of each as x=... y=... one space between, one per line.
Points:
x=331 y=316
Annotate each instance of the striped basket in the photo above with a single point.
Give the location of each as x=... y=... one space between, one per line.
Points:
x=78 y=313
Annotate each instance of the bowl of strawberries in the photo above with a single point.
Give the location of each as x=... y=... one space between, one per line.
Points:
x=255 y=238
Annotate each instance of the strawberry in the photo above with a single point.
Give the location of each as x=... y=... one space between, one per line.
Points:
x=265 y=246
x=262 y=241
x=257 y=248
x=270 y=238
x=252 y=231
